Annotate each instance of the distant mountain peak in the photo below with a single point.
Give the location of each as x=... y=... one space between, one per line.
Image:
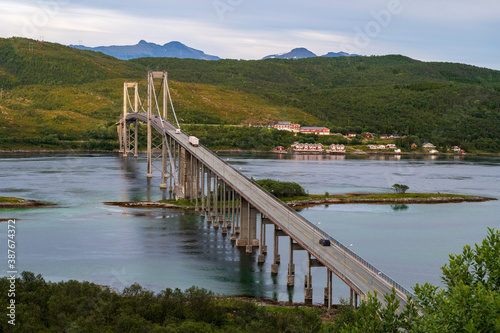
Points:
x=339 y=54
x=297 y=53
x=302 y=52
x=146 y=49
x=174 y=43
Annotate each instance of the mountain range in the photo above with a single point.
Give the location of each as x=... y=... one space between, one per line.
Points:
x=59 y=96
x=178 y=50
x=302 y=52
x=144 y=49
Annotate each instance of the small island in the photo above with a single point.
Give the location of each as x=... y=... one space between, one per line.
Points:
x=13 y=202
x=383 y=198
x=296 y=197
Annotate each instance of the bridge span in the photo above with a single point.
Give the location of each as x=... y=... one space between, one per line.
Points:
x=238 y=205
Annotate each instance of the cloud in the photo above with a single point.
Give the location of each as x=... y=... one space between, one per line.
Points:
x=457 y=11
x=437 y=29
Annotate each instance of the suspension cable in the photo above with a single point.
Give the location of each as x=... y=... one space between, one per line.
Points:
x=130 y=103
x=172 y=105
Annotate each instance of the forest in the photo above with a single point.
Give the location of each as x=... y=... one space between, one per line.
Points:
x=54 y=96
x=469 y=301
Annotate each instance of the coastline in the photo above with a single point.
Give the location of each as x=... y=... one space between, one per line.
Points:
x=238 y=151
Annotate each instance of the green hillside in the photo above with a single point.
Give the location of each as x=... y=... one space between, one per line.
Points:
x=54 y=96
x=441 y=102
x=57 y=97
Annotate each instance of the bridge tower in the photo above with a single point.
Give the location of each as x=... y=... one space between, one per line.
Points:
x=127 y=143
x=161 y=149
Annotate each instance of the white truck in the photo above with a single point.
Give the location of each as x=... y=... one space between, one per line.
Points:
x=194 y=141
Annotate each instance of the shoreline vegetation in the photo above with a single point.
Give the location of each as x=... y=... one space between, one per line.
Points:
x=316 y=200
x=13 y=202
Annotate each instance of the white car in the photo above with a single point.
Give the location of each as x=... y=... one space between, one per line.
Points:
x=177 y=131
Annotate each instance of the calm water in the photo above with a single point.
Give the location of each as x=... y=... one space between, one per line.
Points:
x=83 y=239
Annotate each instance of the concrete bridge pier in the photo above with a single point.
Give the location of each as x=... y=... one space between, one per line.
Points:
x=237 y=214
x=223 y=208
x=163 y=184
x=172 y=166
x=244 y=217
x=291 y=266
x=254 y=241
x=180 y=190
x=311 y=262
x=248 y=231
x=290 y=279
x=276 y=256
x=202 y=193
x=353 y=300
x=230 y=208
x=233 y=215
x=328 y=289
x=119 y=131
x=209 y=196
x=196 y=184
x=308 y=291
x=187 y=163
x=193 y=191
x=263 y=247
x=216 y=202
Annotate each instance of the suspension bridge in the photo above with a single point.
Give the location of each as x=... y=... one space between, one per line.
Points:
x=234 y=203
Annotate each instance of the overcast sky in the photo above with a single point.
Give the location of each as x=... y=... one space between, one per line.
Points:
x=465 y=31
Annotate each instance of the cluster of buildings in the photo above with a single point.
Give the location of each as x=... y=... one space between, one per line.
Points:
x=307 y=147
x=378 y=147
x=390 y=136
x=457 y=149
x=296 y=128
x=337 y=148
x=317 y=147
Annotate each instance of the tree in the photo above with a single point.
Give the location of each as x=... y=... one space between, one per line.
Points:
x=400 y=188
x=470 y=301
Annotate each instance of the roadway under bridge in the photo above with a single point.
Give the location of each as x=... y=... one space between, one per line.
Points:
x=238 y=206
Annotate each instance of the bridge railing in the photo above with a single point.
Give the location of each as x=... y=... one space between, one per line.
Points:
x=316 y=228
x=364 y=262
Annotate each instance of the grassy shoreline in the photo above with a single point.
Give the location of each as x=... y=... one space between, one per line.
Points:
x=315 y=200
x=382 y=198
x=13 y=202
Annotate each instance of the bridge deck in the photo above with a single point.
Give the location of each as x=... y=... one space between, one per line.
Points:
x=353 y=270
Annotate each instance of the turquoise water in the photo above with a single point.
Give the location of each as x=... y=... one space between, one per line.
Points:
x=83 y=239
